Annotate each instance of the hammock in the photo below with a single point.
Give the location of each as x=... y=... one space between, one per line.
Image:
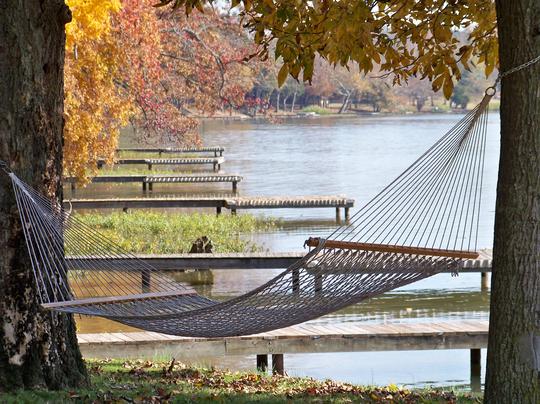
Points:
x=422 y=223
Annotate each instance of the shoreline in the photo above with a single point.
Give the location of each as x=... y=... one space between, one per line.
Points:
x=245 y=118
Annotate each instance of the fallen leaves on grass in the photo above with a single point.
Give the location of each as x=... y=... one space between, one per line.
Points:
x=159 y=382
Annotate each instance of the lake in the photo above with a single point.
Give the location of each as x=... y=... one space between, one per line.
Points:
x=356 y=157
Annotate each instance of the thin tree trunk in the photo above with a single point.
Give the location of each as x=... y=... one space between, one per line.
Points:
x=278 y=95
x=37 y=348
x=293 y=101
x=345 y=104
x=514 y=331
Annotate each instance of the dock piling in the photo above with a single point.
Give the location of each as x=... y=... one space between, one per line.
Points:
x=145 y=281
x=296 y=281
x=338 y=215
x=347 y=215
x=318 y=279
x=262 y=363
x=484 y=281
x=218 y=210
x=476 y=368
x=278 y=367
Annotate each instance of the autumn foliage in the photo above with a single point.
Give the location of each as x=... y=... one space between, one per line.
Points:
x=128 y=63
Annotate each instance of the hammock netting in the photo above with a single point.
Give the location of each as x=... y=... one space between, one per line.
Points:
x=424 y=222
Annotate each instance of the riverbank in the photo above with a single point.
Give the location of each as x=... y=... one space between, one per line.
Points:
x=314 y=111
x=171 y=382
x=143 y=232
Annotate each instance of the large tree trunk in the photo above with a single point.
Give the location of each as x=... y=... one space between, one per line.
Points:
x=37 y=348
x=514 y=334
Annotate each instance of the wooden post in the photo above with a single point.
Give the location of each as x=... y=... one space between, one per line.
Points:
x=318 y=279
x=150 y=186
x=484 y=281
x=278 y=367
x=296 y=281
x=144 y=186
x=234 y=186
x=262 y=363
x=150 y=167
x=233 y=211
x=476 y=368
x=218 y=210
x=347 y=216
x=215 y=165
x=338 y=215
x=145 y=280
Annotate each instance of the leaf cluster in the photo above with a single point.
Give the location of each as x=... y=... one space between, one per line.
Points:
x=403 y=38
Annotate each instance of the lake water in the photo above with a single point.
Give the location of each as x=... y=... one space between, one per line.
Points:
x=355 y=157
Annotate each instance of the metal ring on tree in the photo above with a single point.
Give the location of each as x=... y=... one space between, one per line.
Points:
x=491 y=91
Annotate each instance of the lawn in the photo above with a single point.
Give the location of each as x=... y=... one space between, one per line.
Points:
x=160 y=382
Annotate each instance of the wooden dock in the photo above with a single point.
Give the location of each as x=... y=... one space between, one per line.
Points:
x=302 y=338
x=201 y=262
x=150 y=162
x=254 y=260
x=233 y=204
x=174 y=150
x=150 y=180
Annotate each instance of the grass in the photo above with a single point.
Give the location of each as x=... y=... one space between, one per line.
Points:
x=162 y=382
x=143 y=232
x=318 y=110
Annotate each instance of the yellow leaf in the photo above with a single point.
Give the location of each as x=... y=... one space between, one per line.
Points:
x=448 y=87
x=282 y=75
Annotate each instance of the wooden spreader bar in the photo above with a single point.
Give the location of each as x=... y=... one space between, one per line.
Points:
x=351 y=245
x=116 y=299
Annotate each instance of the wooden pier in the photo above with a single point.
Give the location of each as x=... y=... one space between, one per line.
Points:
x=150 y=162
x=148 y=181
x=253 y=260
x=174 y=150
x=201 y=262
x=302 y=338
x=233 y=204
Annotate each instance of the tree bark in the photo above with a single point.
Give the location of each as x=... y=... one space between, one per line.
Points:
x=37 y=348
x=514 y=332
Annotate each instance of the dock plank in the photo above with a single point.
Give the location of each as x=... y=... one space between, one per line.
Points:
x=302 y=338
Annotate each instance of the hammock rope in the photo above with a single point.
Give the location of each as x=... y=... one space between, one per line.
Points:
x=424 y=222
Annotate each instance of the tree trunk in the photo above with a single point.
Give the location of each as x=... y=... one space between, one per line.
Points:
x=293 y=102
x=514 y=331
x=345 y=104
x=37 y=348
x=278 y=95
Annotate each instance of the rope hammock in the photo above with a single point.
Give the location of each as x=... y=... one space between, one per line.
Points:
x=422 y=223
